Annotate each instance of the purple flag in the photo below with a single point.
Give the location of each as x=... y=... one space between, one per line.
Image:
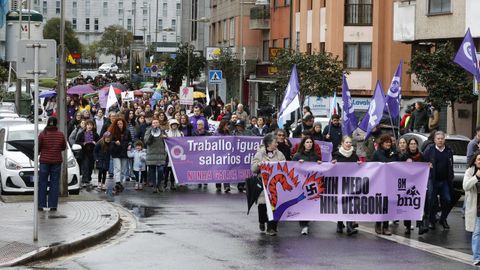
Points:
x=370 y=191
x=291 y=101
x=350 y=122
x=467 y=56
x=375 y=111
x=394 y=93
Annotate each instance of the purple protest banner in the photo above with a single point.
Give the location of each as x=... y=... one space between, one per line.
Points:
x=325 y=147
x=212 y=159
x=370 y=191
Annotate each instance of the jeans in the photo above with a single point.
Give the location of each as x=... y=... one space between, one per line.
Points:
x=46 y=171
x=155 y=175
x=102 y=175
x=476 y=241
x=436 y=188
x=140 y=176
x=110 y=166
x=119 y=168
x=87 y=169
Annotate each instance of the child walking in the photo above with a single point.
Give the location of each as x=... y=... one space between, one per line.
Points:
x=139 y=166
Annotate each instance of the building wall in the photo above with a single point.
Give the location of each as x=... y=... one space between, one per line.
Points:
x=448 y=26
x=280 y=24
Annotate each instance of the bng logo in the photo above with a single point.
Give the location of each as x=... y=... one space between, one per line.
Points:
x=410 y=198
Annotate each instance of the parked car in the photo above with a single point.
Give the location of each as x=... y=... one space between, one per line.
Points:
x=16 y=169
x=458 y=144
x=8 y=106
x=108 y=67
x=13 y=121
x=8 y=115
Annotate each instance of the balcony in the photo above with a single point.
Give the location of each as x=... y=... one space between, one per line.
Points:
x=259 y=18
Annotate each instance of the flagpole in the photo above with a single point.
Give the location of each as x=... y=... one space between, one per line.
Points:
x=391 y=121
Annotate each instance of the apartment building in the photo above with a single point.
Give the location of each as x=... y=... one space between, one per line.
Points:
x=195 y=23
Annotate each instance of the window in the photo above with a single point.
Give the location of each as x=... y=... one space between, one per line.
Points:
x=179 y=9
x=149 y=38
x=57 y=7
x=164 y=38
x=174 y=25
x=87 y=38
x=322 y=47
x=129 y=24
x=160 y=24
x=87 y=7
x=145 y=11
x=45 y=7
x=95 y=24
x=225 y=30
x=357 y=55
x=298 y=6
x=145 y=21
x=323 y=3
x=87 y=24
x=105 y=8
x=74 y=8
x=439 y=6
x=275 y=43
x=121 y=22
x=309 y=48
x=309 y=4
x=266 y=56
x=358 y=12
x=287 y=2
x=74 y=24
x=286 y=43
x=232 y=31
x=297 y=41
x=165 y=9
x=120 y=8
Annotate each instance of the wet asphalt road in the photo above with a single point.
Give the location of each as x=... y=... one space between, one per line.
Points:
x=202 y=229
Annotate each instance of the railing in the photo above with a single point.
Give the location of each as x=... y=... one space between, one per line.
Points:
x=259 y=18
x=358 y=14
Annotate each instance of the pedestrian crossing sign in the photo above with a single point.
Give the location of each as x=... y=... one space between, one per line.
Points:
x=215 y=76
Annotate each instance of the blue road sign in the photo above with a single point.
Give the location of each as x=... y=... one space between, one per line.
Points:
x=147 y=70
x=215 y=76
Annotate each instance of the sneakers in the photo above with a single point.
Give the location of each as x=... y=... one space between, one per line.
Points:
x=136 y=186
x=261 y=226
x=227 y=190
x=304 y=231
x=444 y=224
x=271 y=232
x=219 y=189
x=476 y=263
x=140 y=186
x=386 y=231
x=351 y=231
x=378 y=229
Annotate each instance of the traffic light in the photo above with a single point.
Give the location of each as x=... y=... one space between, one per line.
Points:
x=137 y=68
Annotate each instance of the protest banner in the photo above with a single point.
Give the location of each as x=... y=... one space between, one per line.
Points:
x=370 y=191
x=212 y=159
x=325 y=147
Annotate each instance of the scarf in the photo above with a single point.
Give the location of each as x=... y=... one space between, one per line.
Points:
x=344 y=152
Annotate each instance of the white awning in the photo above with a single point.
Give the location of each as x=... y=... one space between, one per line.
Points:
x=262 y=80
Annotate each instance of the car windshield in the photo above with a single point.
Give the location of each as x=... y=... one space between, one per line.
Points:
x=459 y=147
x=18 y=135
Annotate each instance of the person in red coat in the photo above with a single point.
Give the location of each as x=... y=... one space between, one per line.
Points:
x=51 y=143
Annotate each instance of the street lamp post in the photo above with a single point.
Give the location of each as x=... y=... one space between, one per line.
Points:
x=242 y=55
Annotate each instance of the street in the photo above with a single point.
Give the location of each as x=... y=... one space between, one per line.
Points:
x=202 y=229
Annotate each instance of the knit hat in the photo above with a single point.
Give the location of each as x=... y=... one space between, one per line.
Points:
x=173 y=121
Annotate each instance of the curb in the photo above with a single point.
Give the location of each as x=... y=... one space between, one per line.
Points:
x=58 y=250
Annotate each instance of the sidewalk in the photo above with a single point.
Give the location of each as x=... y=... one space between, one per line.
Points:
x=76 y=225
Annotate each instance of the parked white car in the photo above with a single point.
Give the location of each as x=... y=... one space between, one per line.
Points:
x=108 y=67
x=16 y=169
x=13 y=121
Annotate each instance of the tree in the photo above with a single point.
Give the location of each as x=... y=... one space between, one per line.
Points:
x=176 y=68
x=227 y=63
x=319 y=74
x=445 y=81
x=52 y=31
x=115 y=40
x=90 y=52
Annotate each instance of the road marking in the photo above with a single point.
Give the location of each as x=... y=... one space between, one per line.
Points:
x=440 y=251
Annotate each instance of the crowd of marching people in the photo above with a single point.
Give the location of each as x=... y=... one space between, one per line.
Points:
x=126 y=143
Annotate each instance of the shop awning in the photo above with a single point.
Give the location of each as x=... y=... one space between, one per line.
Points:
x=262 y=80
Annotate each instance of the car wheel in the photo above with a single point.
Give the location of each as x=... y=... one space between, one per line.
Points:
x=74 y=192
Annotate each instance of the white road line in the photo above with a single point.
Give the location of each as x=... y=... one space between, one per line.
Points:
x=440 y=251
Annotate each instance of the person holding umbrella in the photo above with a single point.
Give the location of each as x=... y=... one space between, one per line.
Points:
x=51 y=143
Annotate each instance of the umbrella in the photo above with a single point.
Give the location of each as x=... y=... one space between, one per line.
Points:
x=90 y=95
x=24 y=146
x=117 y=91
x=47 y=94
x=197 y=94
x=81 y=89
x=254 y=188
x=147 y=90
x=120 y=86
x=137 y=93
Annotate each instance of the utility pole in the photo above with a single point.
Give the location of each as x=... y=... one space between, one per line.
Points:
x=189 y=39
x=240 y=51
x=62 y=110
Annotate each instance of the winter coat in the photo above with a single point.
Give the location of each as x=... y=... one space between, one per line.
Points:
x=138 y=159
x=285 y=148
x=309 y=156
x=335 y=135
x=260 y=131
x=102 y=157
x=140 y=131
x=194 y=119
x=74 y=135
x=316 y=148
x=429 y=156
x=87 y=149
x=156 y=153
x=260 y=157
x=339 y=157
x=382 y=155
x=120 y=151
x=51 y=143
x=469 y=185
x=418 y=120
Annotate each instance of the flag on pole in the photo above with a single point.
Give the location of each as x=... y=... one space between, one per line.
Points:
x=291 y=101
x=375 y=111
x=394 y=94
x=333 y=105
x=467 y=56
x=207 y=93
x=112 y=99
x=350 y=122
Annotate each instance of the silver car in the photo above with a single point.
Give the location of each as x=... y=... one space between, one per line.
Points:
x=458 y=144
